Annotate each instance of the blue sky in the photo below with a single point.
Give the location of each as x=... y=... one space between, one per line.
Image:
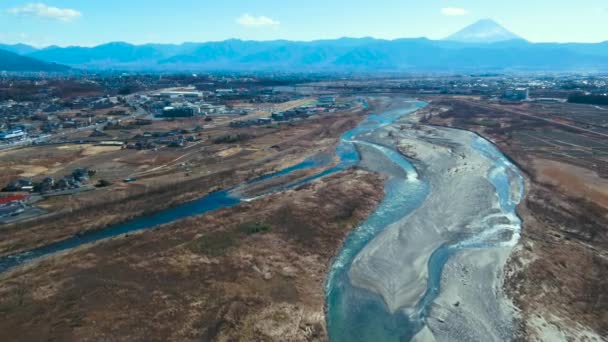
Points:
x=91 y=22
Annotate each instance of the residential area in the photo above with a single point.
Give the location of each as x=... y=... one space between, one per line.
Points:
x=82 y=143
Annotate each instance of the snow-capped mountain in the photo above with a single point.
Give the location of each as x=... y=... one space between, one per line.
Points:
x=483 y=31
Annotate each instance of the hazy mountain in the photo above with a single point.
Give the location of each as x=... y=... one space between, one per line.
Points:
x=483 y=46
x=104 y=55
x=21 y=49
x=597 y=49
x=10 y=61
x=483 y=31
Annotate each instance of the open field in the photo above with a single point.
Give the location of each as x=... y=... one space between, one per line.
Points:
x=557 y=275
x=587 y=116
x=34 y=161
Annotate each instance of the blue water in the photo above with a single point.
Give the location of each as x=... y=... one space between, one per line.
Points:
x=354 y=314
x=213 y=201
x=346 y=151
x=306 y=164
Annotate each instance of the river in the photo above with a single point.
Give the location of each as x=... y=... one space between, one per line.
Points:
x=358 y=314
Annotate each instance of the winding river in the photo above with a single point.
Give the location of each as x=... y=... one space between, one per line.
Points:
x=357 y=314
x=353 y=314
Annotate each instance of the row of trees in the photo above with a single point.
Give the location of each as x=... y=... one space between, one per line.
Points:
x=594 y=99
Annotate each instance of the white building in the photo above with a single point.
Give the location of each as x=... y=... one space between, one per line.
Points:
x=12 y=135
x=520 y=94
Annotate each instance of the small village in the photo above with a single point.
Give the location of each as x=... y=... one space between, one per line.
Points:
x=159 y=121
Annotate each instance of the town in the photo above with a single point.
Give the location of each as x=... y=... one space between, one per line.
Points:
x=101 y=115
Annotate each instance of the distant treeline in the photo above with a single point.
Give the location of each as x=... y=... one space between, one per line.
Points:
x=588 y=99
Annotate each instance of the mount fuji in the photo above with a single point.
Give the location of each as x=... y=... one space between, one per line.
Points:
x=484 y=31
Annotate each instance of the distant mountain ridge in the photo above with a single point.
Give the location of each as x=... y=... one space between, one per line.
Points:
x=10 y=61
x=483 y=46
x=21 y=49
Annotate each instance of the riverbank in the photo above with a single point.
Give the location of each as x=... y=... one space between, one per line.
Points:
x=556 y=275
x=461 y=206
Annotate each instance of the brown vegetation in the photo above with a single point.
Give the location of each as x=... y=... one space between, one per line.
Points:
x=255 y=272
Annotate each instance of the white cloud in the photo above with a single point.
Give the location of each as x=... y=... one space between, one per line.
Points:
x=454 y=11
x=248 y=20
x=44 y=11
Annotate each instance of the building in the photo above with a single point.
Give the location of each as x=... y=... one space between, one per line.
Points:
x=111 y=143
x=13 y=199
x=11 y=210
x=222 y=92
x=22 y=184
x=248 y=123
x=290 y=115
x=278 y=116
x=210 y=109
x=180 y=112
x=184 y=94
x=46 y=185
x=517 y=94
x=326 y=100
x=12 y=135
x=549 y=100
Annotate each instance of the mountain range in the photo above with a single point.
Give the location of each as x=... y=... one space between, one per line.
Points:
x=483 y=46
x=10 y=61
